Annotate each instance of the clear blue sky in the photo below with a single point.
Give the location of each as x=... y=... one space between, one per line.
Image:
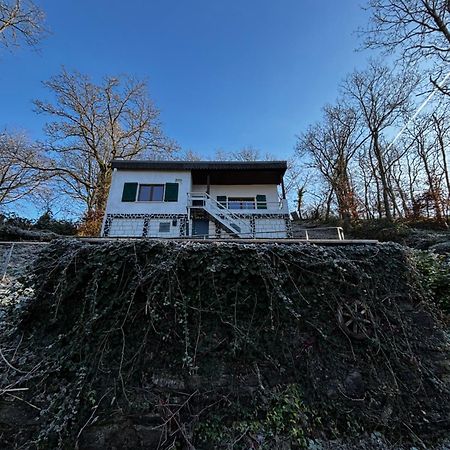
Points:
x=225 y=73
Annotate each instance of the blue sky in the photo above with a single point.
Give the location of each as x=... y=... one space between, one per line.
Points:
x=225 y=74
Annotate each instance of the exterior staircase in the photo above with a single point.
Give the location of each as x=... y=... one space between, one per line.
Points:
x=230 y=221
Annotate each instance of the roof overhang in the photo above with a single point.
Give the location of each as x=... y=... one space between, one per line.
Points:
x=218 y=172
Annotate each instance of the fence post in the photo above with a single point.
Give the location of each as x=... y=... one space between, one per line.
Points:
x=8 y=259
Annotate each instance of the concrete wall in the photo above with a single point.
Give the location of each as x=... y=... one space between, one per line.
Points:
x=270 y=228
x=126 y=227
x=153 y=228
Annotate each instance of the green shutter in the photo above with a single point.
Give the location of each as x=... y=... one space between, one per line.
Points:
x=222 y=200
x=171 y=193
x=129 y=192
x=261 y=202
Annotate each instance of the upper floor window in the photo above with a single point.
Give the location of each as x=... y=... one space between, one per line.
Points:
x=151 y=193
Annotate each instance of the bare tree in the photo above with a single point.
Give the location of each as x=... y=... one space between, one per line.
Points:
x=426 y=151
x=190 y=155
x=331 y=145
x=248 y=153
x=18 y=177
x=441 y=127
x=20 y=21
x=382 y=96
x=417 y=28
x=429 y=137
x=94 y=124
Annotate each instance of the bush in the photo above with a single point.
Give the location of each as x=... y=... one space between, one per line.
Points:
x=13 y=227
x=59 y=226
x=16 y=221
x=381 y=230
x=434 y=271
x=427 y=224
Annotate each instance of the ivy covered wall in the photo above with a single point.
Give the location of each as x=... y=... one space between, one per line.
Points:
x=185 y=345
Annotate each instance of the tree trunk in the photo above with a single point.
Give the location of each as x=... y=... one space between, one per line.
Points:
x=383 y=177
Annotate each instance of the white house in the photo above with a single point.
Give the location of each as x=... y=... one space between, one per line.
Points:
x=216 y=199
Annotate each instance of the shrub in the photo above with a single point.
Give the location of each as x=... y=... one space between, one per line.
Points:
x=16 y=221
x=382 y=230
x=434 y=271
x=59 y=226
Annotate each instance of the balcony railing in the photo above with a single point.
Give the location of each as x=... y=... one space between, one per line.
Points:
x=196 y=199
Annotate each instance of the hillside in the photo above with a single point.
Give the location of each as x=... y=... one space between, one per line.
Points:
x=138 y=345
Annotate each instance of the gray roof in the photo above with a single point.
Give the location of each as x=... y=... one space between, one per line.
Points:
x=198 y=165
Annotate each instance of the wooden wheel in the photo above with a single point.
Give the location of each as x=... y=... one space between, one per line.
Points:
x=356 y=320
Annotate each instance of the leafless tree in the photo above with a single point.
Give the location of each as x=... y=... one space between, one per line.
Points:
x=429 y=137
x=248 y=153
x=331 y=145
x=425 y=149
x=92 y=124
x=190 y=155
x=20 y=21
x=419 y=29
x=382 y=96
x=19 y=179
x=441 y=128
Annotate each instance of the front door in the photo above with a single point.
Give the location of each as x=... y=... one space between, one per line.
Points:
x=200 y=227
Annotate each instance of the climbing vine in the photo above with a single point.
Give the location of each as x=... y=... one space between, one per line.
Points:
x=225 y=345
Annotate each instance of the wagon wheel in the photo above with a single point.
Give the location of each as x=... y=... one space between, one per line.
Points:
x=356 y=320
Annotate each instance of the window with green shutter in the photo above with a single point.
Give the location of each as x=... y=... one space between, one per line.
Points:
x=261 y=202
x=171 y=193
x=129 y=192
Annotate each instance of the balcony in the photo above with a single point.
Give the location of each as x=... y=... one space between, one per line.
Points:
x=241 y=205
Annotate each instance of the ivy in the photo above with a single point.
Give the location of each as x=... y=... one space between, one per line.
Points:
x=434 y=271
x=227 y=345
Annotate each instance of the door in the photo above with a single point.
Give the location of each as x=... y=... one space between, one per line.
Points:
x=200 y=227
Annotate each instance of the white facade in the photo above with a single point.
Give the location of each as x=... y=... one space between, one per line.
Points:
x=115 y=204
x=249 y=210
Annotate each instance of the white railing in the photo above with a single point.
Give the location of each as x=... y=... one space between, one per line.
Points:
x=250 y=206
x=339 y=231
x=227 y=217
x=256 y=207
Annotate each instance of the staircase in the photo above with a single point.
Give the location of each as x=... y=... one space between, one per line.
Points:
x=230 y=221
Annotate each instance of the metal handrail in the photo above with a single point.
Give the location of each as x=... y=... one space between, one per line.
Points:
x=221 y=210
x=279 y=204
x=340 y=232
x=217 y=204
x=268 y=206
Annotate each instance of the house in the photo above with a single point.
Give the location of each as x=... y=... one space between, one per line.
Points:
x=216 y=199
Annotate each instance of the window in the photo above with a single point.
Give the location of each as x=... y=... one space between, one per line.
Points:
x=241 y=203
x=151 y=193
x=261 y=201
x=164 y=227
